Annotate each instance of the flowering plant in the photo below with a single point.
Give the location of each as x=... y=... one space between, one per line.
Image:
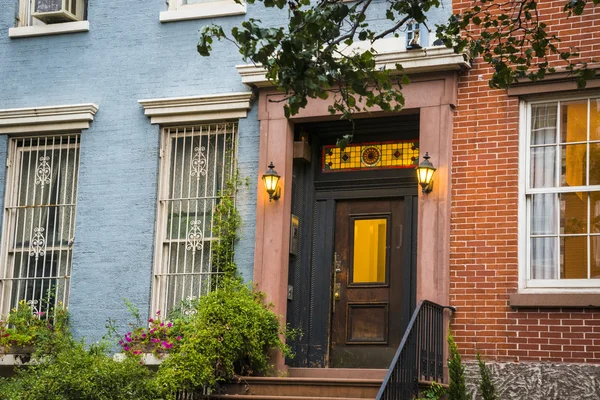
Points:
x=158 y=337
x=25 y=325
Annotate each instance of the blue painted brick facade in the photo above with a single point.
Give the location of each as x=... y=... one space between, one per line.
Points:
x=126 y=56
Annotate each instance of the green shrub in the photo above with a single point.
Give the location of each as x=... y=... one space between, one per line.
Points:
x=231 y=332
x=486 y=386
x=74 y=373
x=26 y=326
x=457 y=389
x=434 y=392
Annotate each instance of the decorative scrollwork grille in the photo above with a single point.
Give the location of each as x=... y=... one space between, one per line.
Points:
x=39 y=221
x=196 y=163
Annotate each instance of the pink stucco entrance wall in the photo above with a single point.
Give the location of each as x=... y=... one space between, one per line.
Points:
x=434 y=95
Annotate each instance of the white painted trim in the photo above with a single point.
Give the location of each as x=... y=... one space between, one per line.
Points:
x=431 y=59
x=561 y=290
x=523 y=230
x=47 y=119
x=51 y=29
x=213 y=9
x=543 y=286
x=563 y=283
x=198 y=108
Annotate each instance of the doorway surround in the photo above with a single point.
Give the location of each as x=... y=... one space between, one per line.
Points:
x=434 y=96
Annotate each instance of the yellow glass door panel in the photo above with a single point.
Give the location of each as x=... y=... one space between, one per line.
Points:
x=370 y=248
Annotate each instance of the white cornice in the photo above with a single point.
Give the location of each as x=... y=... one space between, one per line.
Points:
x=432 y=59
x=197 y=108
x=47 y=119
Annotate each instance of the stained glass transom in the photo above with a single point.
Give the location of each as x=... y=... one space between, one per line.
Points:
x=365 y=156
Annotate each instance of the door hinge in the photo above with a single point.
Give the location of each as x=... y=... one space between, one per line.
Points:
x=161 y=153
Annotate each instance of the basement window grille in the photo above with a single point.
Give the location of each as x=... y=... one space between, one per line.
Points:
x=39 y=221
x=196 y=163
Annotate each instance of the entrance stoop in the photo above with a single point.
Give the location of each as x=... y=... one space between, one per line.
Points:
x=307 y=384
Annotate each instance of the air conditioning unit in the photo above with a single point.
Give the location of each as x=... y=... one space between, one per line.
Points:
x=56 y=11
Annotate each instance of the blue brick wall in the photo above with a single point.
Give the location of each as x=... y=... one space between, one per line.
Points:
x=126 y=56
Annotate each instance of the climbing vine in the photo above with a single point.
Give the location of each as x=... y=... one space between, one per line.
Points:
x=226 y=223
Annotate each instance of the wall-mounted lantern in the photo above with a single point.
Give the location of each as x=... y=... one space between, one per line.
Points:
x=271 y=181
x=425 y=172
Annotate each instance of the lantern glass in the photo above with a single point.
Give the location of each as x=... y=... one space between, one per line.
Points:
x=424 y=175
x=271 y=180
x=425 y=172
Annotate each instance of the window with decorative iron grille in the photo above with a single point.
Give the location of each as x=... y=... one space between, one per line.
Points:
x=196 y=163
x=39 y=221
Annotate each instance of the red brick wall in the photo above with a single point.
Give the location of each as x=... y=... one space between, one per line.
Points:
x=484 y=224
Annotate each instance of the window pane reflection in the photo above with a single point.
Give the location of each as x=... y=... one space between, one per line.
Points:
x=573 y=263
x=370 y=247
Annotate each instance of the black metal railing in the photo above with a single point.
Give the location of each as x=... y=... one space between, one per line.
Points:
x=420 y=356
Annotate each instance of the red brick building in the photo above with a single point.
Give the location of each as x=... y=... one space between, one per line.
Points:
x=525 y=256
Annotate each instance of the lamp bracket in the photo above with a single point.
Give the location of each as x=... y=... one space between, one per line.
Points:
x=277 y=194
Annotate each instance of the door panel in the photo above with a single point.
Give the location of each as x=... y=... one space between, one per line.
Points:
x=367 y=283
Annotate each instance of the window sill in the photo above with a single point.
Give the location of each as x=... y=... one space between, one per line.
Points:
x=553 y=300
x=148 y=359
x=213 y=9
x=46 y=30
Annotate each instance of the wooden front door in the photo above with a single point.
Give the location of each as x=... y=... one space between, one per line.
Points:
x=366 y=321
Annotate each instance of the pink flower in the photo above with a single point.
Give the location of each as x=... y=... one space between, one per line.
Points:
x=167 y=345
x=158 y=312
x=178 y=338
x=169 y=325
x=126 y=348
x=150 y=320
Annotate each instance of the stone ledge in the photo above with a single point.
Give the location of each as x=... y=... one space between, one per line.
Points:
x=431 y=59
x=47 y=119
x=215 y=9
x=198 y=108
x=46 y=30
x=553 y=300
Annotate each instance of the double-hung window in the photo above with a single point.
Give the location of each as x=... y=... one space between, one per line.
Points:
x=196 y=163
x=562 y=194
x=39 y=221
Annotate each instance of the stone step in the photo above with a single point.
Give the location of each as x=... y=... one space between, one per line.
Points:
x=264 y=397
x=305 y=387
x=349 y=373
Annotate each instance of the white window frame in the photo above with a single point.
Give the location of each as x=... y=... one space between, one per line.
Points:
x=187 y=111
x=179 y=11
x=195 y=244
x=27 y=26
x=45 y=144
x=527 y=285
